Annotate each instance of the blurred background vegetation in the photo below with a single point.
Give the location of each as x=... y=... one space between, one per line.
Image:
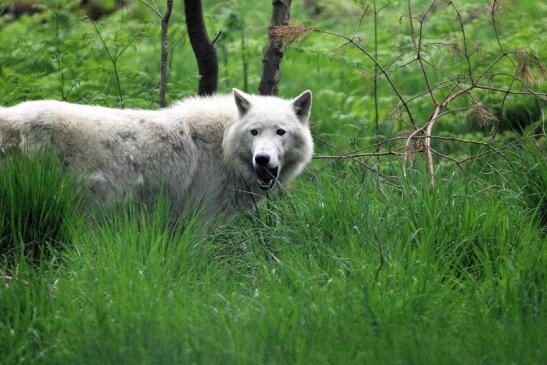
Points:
x=350 y=266
x=58 y=54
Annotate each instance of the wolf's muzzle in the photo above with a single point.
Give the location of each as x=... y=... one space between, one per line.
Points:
x=266 y=177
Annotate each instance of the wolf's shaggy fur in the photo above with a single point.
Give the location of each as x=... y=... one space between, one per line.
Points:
x=201 y=150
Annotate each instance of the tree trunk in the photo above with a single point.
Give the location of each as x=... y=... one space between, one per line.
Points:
x=164 y=71
x=204 y=51
x=274 y=50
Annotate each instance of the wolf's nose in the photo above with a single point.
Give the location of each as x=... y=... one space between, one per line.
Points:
x=262 y=159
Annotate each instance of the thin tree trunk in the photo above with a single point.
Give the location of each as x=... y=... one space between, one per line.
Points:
x=164 y=52
x=274 y=50
x=204 y=50
x=376 y=116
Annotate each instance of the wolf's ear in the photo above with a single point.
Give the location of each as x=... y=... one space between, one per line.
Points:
x=302 y=106
x=242 y=102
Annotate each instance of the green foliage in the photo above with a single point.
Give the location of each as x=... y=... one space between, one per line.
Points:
x=346 y=268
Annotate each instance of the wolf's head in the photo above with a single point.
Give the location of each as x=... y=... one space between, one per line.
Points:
x=271 y=142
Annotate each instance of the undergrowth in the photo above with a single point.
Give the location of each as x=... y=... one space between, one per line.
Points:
x=346 y=268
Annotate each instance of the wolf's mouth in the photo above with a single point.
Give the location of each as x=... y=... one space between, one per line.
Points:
x=266 y=177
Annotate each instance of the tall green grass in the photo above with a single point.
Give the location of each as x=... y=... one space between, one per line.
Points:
x=531 y=173
x=341 y=270
x=40 y=207
x=38 y=204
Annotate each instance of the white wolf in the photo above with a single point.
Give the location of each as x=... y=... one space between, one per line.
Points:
x=222 y=152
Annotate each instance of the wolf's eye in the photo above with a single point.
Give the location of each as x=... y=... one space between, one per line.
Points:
x=281 y=132
x=254 y=132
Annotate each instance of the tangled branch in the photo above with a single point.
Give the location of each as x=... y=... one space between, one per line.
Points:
x=466 y=85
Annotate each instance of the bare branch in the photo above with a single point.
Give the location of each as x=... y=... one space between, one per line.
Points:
x=113 y=59
x=361 y=163
x=357 y=155
x=493 y=9
x=382 y=69
x=437 y=153
x=149 y=6
x=465 y=46
x=442 y=94
x=539 y=95
x=418 y=45
x=427 y=141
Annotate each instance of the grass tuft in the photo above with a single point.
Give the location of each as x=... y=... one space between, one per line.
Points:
x=39 y=204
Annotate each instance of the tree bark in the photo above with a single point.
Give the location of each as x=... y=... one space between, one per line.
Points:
x=204 y=50
x=274 y=50
x=164 y=52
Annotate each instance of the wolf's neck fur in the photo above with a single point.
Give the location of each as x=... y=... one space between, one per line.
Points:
x=216 y=182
